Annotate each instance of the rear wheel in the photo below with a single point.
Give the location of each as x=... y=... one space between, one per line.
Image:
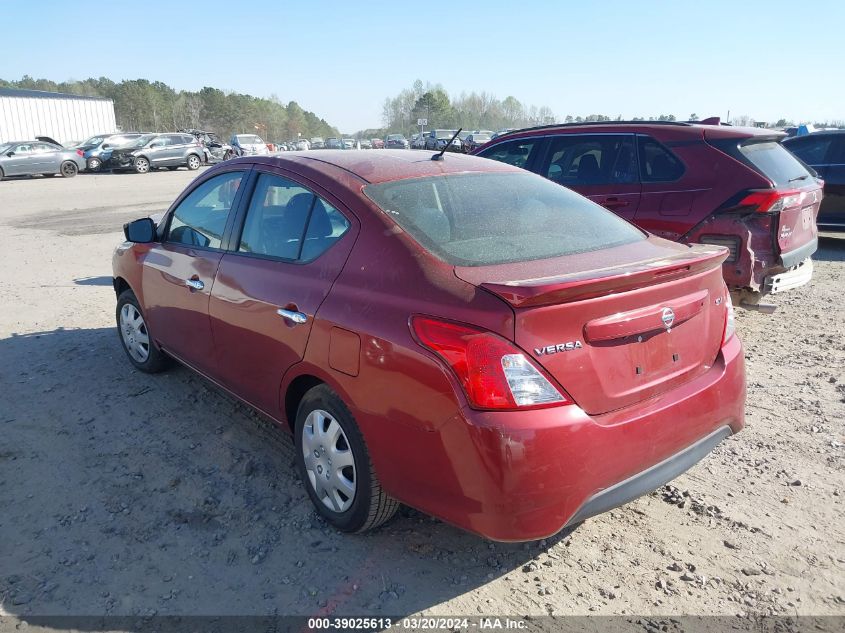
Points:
x=194 y=162
x=136 y=338
x=335 y=466
x=69 y=169
x=142 y=165
x=2 y=175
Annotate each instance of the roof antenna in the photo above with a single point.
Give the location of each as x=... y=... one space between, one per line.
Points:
x=445 y=147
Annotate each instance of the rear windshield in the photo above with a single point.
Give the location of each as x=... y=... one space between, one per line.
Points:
x=775 y=163
x=493 y=218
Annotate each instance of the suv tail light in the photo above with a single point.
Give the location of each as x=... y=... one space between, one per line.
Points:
x=494 y=373
x=79 y=152
x=772 y=200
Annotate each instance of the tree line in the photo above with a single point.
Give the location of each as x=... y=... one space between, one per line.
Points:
x=144 y=106
x=483 y=111
x=476 y=111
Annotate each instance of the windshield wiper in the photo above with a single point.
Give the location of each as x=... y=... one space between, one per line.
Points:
x=798 y=178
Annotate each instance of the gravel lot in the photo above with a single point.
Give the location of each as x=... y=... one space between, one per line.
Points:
x=129 y=494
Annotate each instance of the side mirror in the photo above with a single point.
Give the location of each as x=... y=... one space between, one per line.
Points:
x=10 y=154
x=154 y=145
x=141 y=231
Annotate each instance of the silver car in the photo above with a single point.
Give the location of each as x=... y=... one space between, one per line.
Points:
x=27 y=158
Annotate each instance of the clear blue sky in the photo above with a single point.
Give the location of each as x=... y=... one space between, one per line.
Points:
x=340 y=59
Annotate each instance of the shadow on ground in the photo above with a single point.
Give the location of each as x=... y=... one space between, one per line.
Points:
x=831 y=248
x=130 y=494
x=94 y=281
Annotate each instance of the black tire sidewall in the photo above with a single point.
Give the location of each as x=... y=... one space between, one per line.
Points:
x=75 y=169
x=199 y=162
x=353 y=519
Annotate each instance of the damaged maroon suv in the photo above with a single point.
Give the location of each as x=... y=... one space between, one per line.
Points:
x=691 y=183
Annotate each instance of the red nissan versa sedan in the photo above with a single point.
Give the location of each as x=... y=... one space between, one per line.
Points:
x=689 y=182
x=459 y=335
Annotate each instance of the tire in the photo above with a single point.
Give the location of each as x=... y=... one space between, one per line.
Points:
x=358 y=508
x=94 y=164
x=194 y=162
x=48 y=175
x=2 y=175
x=147 y=358
x=142 y=165
x=172 y=168
x=69 y=169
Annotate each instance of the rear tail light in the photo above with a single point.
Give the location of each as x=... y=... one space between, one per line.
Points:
x=493 y=372
x=771 y=200
x=730 y=321
x=79 y=152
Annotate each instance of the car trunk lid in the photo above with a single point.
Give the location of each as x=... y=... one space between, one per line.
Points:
x=647 y=322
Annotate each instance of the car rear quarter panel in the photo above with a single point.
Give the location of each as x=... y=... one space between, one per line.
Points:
x=401 y=392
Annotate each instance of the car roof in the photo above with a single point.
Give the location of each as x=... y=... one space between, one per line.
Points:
x=656 y=128
x=385 y=166
x=815 y=134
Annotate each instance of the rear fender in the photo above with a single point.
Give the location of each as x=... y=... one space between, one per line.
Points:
x=754 y=254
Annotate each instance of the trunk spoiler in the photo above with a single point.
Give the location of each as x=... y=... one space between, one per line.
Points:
x=598 y=283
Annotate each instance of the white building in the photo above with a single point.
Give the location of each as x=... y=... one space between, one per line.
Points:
x=25 y=114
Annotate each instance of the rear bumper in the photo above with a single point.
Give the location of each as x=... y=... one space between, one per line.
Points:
x=651 y=478
x=797 y=276
x=518 y=476
x=799 y=255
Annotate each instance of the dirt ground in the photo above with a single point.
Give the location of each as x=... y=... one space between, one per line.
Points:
x=128 y=494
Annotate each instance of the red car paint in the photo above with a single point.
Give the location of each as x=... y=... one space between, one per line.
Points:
x=712 y=201
x=634 y=393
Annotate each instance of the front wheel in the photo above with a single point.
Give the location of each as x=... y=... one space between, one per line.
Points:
x=194 y=162
x=69 y=169
x=142 y=165
x=94 y=164
x=135 y=336
x=335 y=466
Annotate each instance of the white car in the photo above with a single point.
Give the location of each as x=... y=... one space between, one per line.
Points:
x=302 y=144
x=249 y=145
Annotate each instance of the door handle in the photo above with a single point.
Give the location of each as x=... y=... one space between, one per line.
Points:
x=194 y=284
x=292 y=315
x=614 y=203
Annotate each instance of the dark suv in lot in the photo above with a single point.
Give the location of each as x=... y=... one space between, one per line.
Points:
x=692 y=183
x=825 y=153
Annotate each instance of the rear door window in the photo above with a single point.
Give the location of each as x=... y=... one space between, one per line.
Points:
x=519 y=152
x=591 y=159
x=774 y=162
x=657 y=163
x=287 y=221
x=200 y=219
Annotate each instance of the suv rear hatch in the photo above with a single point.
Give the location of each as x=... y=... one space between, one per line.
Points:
x=652 y=319
x=793 y=198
